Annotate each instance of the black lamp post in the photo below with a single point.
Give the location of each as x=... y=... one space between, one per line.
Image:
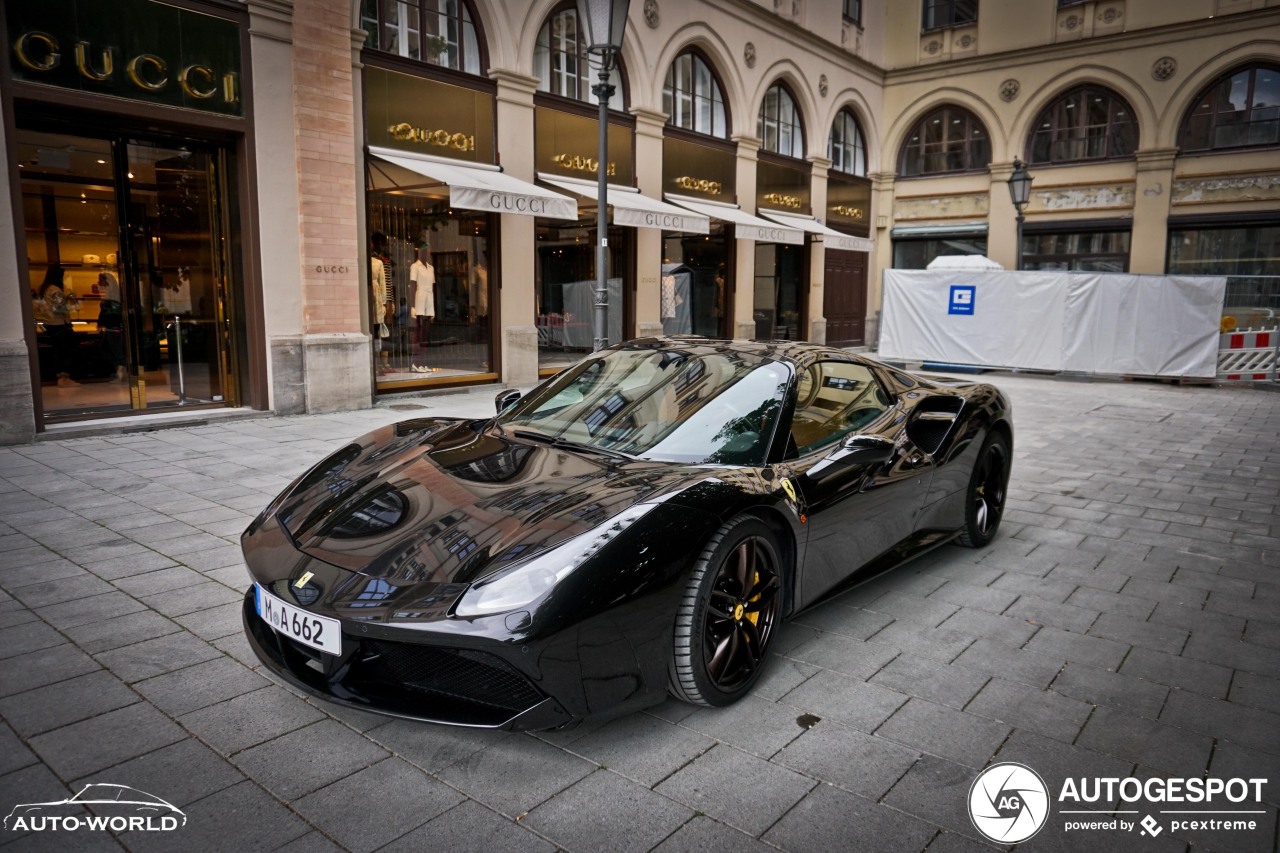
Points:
x=602 y=23
x=1020 y=192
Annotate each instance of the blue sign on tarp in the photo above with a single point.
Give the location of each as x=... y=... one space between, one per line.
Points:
x=961 y=299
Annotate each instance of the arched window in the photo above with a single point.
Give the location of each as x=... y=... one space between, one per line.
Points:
x=779 y=127
x=1086 y=123
x=438 y=32
x=845 y=147
x=562 y=64
x=1240 y=109
x=693 y=98
x=949 y=139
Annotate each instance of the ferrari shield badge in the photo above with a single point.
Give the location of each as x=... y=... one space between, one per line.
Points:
x=304 y=580
x=790 y=490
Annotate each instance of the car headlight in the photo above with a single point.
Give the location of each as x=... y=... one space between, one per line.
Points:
x=528 y=581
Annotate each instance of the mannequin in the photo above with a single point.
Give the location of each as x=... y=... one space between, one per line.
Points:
x=378 y=282
x=422 y=275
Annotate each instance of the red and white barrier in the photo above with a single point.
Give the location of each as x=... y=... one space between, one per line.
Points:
x=1248 y=356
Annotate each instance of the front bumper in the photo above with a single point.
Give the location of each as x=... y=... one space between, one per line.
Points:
x=409 y=679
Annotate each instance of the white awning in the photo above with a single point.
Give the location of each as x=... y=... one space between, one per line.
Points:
x=748 y=227
x=475 y=187
x=632 y=207
x=831 y=238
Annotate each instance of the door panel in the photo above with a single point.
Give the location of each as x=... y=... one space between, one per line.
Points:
x=845 y=298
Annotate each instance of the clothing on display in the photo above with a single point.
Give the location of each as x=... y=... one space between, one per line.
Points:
x=677 y=318
x=423 y=276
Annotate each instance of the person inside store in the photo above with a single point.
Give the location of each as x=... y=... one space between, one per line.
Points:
x=53 y=308
x=378 y=283
x=111 y=323
x=422 y=278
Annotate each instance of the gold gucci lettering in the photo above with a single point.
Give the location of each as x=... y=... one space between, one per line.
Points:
x=37 y=51
x=701 y=185
x=578 y=163
x=405 y=132
x=851 y=212
x=789 y=201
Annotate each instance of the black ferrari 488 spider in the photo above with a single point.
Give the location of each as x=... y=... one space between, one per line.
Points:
x=640 y=524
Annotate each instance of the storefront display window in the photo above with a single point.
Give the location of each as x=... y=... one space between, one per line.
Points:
x=916 y=253
x=694 y=288
x=1084 y=251
x=779 y=292
x=1247 y=253
x=435 y=294
x=565 y=281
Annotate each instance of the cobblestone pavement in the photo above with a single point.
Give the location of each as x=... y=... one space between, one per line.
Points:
x=1126 y=621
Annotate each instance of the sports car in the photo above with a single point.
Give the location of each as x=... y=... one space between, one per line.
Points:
x=641 y=524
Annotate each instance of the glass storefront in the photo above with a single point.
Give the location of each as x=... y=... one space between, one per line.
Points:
x=915 y=253
x=780 y=292
x=565 y=288
x=1247 y=253
x=695 y=290
x=434 y=322
x=1083 y=251
x=128 y=243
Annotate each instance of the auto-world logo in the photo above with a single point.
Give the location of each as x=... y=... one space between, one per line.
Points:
x=114 y=808
x=1008 y=802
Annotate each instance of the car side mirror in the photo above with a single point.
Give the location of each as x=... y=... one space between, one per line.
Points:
x=855 y=450
x=506 y=399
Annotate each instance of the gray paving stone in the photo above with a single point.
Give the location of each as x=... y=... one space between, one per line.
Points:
x=858 y=762
x=832 y=819
x=201 y=596
x=273 y=710
x=32 y=784
x=56 y=705
x=844 y=654
x=1152 y=635
x=470 y=828
x=751 y=724
x=580 y=817
x=395 y=796
x=855 y=703
x=498 y=776
x=940 y=644
x=1102 y=687
x=1088 y=578
x=301 y=761
x=1188 y=596
x=781 y=676
x=181 y=773
x=162 y=580
x=106 y=740
x=1255 y=691
x=1143 y=741
x=1056 y=762
x=261 y=823
x=1231 y=761
x=121 y=631
x=215 y=622
x=704 y=835
x=21 y=575
x=936 y=791
x=155 y=657
x=1045 y=712
x=946 y=732
x=1043 y=588
x=199 y=686
x=312 y=842
x=85 y=611
x=44 y=666
x=1005 y=661
x=14 y=754
x=642 y=747
x=1102 y=601
x=712 y=784
x=1230 y=721
x=943 y=683
x=432 y=748
x=835 y=618
x=128 y=565
x=986 y=598
x=913 y=608
x=1180 y=672
x=1233 y=653
x=1092 y=650
x=1198 y=621
x=27 y=637
x=1012 y=629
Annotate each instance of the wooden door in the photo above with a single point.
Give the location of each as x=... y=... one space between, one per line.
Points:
x=845 y=298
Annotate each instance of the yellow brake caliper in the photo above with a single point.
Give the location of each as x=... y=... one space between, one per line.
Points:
x=754 y=616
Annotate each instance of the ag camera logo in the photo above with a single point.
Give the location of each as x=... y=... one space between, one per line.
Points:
x=1008 y=802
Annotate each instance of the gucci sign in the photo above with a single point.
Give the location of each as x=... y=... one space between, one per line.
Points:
x=700 y=185
x=405 y=132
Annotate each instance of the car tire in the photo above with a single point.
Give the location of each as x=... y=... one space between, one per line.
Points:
x=986 y=493
x=728 y=614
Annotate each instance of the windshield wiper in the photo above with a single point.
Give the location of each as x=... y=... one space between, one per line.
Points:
x=557 y=441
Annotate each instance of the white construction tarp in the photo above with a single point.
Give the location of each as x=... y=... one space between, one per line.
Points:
x=1109 y=323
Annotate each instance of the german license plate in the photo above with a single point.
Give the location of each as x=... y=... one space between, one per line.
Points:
x=318 y=632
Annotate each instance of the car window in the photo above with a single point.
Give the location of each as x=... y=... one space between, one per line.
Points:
x=834 y=399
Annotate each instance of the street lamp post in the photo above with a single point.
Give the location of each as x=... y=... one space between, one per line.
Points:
x=1020 y=192
x=602 y=22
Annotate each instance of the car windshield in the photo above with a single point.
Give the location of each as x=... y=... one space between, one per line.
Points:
x=698 y=407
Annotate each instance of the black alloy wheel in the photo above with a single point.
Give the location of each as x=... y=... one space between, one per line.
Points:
x=728 y=615
x=988 y=488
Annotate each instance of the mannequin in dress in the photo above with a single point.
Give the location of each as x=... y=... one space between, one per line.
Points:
x=422 y=277
x=378 y=283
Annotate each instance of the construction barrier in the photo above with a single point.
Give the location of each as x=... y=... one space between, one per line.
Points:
x=1248 y=356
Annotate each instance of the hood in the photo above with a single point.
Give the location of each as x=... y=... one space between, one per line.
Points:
x=440 y=501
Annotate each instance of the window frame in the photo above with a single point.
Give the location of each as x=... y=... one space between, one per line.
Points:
x=1211 y=94
x=797 y=126
x=585 y=79
x=856 y=16
x=952 y=20
x=917 y=130
x=859 y=149
x=717 y=84
x=1059 y=131
x=466 y=15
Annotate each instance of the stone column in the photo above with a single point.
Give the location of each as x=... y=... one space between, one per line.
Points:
x=881 y=216
x=271 y=49
x=649 y=125
x=336 y=347
x=516 y=250
x=18 y=426
x=818 y=253
x=1002 y=218
x=744 y=265
x=1151 y=204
